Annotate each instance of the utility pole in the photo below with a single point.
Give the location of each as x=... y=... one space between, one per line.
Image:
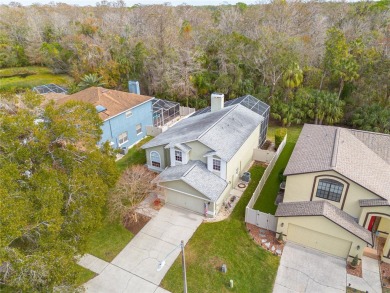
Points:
x=183 y=262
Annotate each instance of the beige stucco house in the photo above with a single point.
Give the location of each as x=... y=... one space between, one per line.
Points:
x=337 y=192
x=202 y=157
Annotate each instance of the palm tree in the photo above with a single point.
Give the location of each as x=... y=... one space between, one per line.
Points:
x=90 y=80
x=292 y=77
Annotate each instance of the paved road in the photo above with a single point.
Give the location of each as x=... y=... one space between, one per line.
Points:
x=135 y=267
x=307 y=270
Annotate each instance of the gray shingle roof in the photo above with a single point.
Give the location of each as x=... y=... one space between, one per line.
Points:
x=223 y=131
x=326 y=209
x=373 y=202
x=322 y=148
x=196 y=175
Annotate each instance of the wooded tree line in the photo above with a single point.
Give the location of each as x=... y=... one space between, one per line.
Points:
x=313 y=62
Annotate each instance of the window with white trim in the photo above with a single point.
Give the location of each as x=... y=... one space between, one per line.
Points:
x=129 y=114
x=155 y=159
x=216 y=165
x=329 y=189
x=122 y=138
x=178 y=156
x=138 y=128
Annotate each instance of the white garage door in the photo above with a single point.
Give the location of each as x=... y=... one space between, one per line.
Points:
x=323 y=242
x=185 y=201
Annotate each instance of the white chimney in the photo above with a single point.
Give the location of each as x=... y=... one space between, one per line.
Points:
x=217 y=101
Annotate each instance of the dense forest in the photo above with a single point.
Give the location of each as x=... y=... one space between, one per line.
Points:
x=318 y=62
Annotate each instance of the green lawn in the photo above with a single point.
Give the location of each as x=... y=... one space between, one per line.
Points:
x=17 y=78
x=265 y=202
x=84 y=275
x=227 y=242
x=135 y=156
x=108 y=240
x=352 y=290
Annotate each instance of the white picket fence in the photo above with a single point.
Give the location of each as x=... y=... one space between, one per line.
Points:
x=260 y=219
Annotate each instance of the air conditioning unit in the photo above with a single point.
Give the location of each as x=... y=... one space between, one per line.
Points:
x=124 y=150
x=246 y=177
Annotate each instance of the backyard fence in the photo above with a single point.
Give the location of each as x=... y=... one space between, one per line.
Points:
x=260 y=219
x=184 y=111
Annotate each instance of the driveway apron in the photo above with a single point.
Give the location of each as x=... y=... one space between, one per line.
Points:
x=303 y=269
x=134 y=269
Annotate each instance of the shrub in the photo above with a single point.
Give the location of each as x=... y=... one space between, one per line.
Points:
x=280 y=133
x=280 y=237
x=355 y=261
x=281 y=176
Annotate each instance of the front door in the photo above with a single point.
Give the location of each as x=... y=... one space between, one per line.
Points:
x=371 y=224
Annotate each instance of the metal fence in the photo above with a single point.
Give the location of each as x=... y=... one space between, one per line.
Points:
x=260 y=219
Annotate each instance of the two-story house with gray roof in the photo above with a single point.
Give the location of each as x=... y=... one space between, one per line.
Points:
x=337 y=192
x=201 y=158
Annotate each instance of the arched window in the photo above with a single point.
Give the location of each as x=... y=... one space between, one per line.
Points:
x=155 y=159
x=329 y=189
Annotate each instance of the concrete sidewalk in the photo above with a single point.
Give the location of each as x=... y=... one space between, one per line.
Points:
x=370 y=281
x=93 y=263
x=134 y=269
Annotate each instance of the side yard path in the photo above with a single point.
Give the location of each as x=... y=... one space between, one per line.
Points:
x=134 y=269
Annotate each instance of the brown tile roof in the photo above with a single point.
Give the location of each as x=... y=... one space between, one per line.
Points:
x=348 y=152
x=327 y=210
x=373 y=202
x=114 y=101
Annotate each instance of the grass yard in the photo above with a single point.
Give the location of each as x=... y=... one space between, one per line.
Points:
x=265 y=202
x=108 y=240
x=84 y=275
x=227 y=242
x=135 y=156
x=352 y=290
x=17 y=78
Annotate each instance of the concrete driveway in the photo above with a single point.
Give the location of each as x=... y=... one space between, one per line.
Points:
x=307 y=270
x=135 y=267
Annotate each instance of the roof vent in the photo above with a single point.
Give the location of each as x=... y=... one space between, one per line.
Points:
x=100 y=108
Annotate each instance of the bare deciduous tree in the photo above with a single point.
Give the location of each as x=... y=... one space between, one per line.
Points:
x=132 y=188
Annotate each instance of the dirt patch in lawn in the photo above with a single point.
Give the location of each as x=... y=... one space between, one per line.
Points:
x=216 y=263
x=136 y=226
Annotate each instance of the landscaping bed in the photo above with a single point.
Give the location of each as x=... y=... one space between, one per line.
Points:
x=268 y=236
x=251 y=268
x=355 y=271
x=135 y=227
x=385 y=274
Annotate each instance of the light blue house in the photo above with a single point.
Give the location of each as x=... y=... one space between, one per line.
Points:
x=125 y=115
